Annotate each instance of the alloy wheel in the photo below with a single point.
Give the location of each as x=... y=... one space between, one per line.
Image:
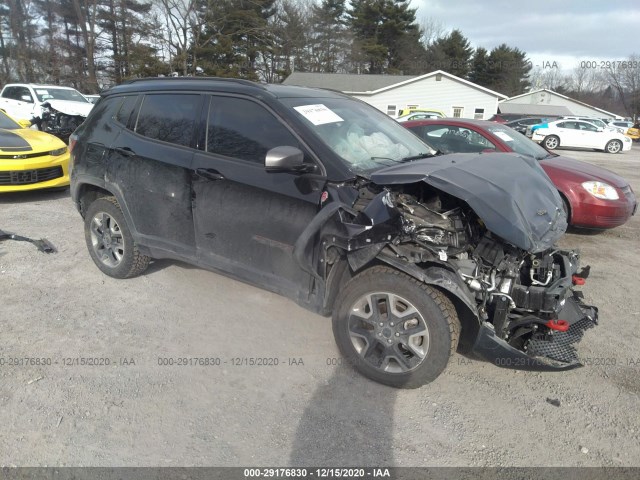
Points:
x=388 y=332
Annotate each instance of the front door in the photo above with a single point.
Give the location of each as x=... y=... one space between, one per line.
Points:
x=247 y=220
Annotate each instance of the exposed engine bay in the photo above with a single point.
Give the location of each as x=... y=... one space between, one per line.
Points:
x=529 y=314
x=58 y=123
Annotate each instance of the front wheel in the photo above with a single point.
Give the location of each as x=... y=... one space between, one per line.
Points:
x=109 y=240
x=551 y=142
x=394 y=329
x=613 y=146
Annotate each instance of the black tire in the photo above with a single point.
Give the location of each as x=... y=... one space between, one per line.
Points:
x=551 y=142
x=613 y=146
x=109 y=240
x=395 y=350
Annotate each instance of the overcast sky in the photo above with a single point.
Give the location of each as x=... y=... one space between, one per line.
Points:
x=564 y=31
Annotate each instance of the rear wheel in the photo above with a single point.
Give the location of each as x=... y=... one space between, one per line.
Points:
x=613 y=146
x=109 y=240
x=394 y=329
x=551 y=142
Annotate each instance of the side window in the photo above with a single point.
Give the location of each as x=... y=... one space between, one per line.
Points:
x=24 y=92
x=10 y=92
x=126 y=109
x=588 y=127
x=169 y=117
x=242 y=129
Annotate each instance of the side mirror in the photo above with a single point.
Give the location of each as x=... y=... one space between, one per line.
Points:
x=24 y=123
x=26 y=98
x=284 y=159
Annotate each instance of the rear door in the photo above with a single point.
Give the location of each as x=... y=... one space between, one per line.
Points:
x=247 y=220
x=148 y=167
x=589 y=135
x=568 y=133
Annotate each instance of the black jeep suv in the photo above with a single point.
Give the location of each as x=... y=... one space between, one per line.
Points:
x=326 y=200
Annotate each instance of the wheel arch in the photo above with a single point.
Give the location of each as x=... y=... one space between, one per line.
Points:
x=87 y=193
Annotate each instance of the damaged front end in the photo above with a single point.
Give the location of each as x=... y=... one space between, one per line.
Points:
x=481 y=228
x=58 y=122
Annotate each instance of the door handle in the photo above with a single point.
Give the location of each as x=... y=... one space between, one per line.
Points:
x=125 y=151
x=209 y=174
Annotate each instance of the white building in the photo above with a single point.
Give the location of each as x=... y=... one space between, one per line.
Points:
x=437 y=90
x=547 y=102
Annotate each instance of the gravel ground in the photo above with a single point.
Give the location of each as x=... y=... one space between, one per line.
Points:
x=308 y=409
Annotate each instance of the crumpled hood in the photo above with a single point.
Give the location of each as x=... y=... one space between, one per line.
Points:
x=70 y=107
x=510 y=193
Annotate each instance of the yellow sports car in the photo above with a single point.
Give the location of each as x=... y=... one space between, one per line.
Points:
x=30 y=159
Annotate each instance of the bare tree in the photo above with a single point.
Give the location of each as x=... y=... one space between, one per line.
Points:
x=431 y=30
x=625 y=79
x=86 y=11
x=550 y=78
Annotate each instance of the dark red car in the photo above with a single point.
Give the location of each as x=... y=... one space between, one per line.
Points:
x=594 y=197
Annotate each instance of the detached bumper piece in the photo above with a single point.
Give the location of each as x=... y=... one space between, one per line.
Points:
x=560 y=345
x=42 y=244
x=543 y=352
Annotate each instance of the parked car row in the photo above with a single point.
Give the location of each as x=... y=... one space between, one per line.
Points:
x=593 y=197
x=581 y=134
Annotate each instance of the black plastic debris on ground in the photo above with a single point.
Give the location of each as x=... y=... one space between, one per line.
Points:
x=42 y=244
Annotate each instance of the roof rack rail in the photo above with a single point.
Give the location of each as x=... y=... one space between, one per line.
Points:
x=217 y=79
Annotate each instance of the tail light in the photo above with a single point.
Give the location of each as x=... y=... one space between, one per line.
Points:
x=73 y=138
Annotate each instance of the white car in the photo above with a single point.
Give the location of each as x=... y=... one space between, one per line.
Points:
x=50 y=108
x=596 y=121
x=577 y=133
x=621 y=125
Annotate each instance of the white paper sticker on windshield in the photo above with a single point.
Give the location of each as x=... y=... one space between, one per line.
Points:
x=42 y=92
x=503 y=136
x=318 y=114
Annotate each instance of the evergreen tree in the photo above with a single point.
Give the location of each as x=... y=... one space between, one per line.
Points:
x=508 y=70
x=451 y=53
x=329 y=38
x=480 y=67
x=387 y=37
x=239 y=34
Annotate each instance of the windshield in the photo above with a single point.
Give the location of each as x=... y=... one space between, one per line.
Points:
x=518 y=142
x=52 y=93
x=364 y=137
x=7 y=123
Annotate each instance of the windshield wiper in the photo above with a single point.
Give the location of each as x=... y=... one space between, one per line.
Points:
x=394 y=160
x=418 y=156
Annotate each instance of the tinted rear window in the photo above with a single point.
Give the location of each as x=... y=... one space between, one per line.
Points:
x=169 y=117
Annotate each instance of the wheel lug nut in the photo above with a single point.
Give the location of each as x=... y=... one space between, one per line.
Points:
x=379 y=334
x=397 y=334
x=392 y=324
x=389 y=340
x=381 y=324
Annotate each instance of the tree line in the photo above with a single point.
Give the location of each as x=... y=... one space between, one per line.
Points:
x=93 y=44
